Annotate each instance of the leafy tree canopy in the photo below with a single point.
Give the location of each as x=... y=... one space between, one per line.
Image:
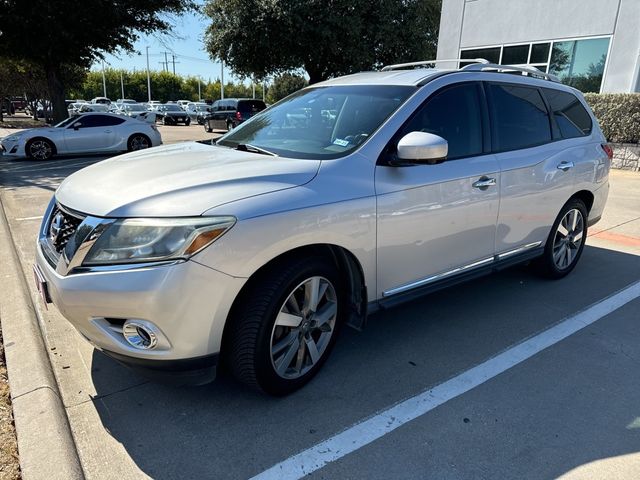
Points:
x=71 y=32
x=284 y=85
x=258 y=38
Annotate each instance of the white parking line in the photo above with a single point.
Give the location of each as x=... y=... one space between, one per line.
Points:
x=37 y=217
x=367 y=431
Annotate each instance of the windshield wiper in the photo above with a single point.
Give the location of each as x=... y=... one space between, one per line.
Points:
x=246 y=147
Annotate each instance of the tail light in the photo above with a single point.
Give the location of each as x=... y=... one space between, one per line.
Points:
x=608 y=150
x=238 y=115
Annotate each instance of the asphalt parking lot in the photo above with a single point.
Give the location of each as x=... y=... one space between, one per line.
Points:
x=571 y=411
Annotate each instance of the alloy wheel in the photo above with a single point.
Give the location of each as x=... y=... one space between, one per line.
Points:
x=139 y=142
x=569 y=236
x=40 y=150
x=303 y=327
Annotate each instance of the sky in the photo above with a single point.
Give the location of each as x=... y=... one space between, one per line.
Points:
x=185 y=43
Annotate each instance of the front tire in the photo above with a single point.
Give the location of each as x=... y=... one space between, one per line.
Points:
x=40 y=149
x=187 y=122
x=565 y=242
x=286 y=325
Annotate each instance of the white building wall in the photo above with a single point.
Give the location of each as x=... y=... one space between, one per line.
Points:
x=478 y=23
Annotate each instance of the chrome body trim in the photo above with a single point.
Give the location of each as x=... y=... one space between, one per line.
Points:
x=433 y=278
x=515 y=251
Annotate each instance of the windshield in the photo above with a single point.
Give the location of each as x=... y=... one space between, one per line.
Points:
x=170 y=108
x=321 y=122
x=202 y=108
x=66 y=121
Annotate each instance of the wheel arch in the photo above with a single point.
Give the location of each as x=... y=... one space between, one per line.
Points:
x=134 y=134
x=346 y=262
x=587 y=198
x=41 y=137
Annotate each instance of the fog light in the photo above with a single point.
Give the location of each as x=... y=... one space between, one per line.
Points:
x=139 y=335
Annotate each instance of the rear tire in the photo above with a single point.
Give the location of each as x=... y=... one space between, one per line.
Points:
x=565 y=242
x=188 y=122
x=207 y=128
x=230 y=126
x=138 y=141
x=279 y=339
x=40 y=149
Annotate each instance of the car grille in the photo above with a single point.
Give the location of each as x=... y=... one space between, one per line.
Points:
x=62 y=225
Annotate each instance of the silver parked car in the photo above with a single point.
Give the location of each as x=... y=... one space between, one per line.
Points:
x=82 y=134
x=258 y=248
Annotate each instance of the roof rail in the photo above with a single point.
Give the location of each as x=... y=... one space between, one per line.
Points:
x=399 y=66
x=528 y=69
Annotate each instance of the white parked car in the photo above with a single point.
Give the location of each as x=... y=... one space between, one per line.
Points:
x=258 y=248
x=87 y=133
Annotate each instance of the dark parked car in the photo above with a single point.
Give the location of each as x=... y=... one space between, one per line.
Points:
x=231 y=112
x=172 y=114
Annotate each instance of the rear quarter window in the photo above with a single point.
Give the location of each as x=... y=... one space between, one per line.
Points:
x=519 y=117
x=572 y=118
x=251 y=106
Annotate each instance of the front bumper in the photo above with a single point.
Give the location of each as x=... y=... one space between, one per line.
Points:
x=187 y=302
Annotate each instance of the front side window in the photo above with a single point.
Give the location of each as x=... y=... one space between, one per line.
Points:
x=519 y=117
x=580 y=63
x=454 y=114
x=572 y=118
x=321 y=122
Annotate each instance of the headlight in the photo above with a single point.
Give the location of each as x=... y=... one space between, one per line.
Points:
x=138 y=240
x=12 y=138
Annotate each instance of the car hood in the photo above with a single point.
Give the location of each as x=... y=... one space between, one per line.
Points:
x=178 y=180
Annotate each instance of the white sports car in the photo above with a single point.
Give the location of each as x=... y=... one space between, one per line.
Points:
x=87 y=133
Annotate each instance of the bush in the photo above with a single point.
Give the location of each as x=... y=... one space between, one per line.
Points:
x=618 y=115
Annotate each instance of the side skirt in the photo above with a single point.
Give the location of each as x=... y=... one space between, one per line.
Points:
x=497 y=265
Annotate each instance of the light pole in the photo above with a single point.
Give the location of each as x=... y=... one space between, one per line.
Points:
x=121 y=84
x=221 y=80
x=199 y=93
x=148 y=77
x=253 y=88
x=104 y=82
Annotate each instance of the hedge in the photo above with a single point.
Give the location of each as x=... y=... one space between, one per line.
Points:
x=618 y=115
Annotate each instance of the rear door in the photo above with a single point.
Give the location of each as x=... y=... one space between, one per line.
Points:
x=537 y=174
x=438 y=220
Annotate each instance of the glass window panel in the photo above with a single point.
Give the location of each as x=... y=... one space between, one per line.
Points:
x=491 y=54
x=580 y=63
x=572 y=118
x=454 y=114
x=519 y=117
x=515 y=55
x=540 y=52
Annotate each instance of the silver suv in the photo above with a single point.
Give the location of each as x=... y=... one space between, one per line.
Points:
x=348 y=196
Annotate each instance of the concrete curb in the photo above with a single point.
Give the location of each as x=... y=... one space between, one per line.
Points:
x=45 y=443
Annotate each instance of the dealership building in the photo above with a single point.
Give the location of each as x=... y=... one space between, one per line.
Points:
x=593 y=45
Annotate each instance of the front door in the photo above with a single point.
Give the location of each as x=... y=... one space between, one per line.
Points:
x=434 y=221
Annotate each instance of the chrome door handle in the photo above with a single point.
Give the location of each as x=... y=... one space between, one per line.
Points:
x=564 y=166
x=484 y=182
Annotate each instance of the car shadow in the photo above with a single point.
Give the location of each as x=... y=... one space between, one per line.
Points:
x=224 y=430
x=16 y=173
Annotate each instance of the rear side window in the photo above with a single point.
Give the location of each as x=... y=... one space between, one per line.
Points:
x=519 y=117
x=572 y=118
x=455 y=114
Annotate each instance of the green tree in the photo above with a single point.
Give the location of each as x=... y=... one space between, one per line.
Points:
x=284 y=85
x=52 y=34
x=259 y=38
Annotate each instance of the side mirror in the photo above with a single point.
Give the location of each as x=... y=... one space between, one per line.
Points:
x=419 y=148
x=77 y=125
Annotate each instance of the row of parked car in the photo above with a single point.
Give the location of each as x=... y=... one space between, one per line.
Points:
x=219 y=115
